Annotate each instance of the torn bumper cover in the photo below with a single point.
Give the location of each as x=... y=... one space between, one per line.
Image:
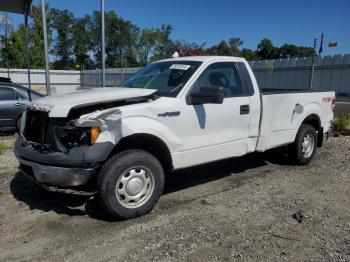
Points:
x=75 y=168
x=58 y=176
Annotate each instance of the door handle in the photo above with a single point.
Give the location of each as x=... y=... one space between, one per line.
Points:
x=244 y=109
x=19 y=104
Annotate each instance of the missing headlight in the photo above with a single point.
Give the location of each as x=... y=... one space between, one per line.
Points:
x=70 y=136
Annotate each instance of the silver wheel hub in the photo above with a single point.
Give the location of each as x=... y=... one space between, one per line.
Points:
x=134 y=187
x=307 y=146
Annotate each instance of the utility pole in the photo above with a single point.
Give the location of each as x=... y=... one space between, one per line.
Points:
x=47 y=72
x=312 y=65
x=103 y=53
x=26 y=38
x=7 y=45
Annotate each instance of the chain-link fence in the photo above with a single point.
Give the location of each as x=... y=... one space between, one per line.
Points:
x=114 y=76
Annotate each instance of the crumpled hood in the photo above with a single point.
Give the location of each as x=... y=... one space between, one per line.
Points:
x=60 y=105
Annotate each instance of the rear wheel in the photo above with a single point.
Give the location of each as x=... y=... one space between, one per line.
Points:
x=304 y=147
x=130 y=183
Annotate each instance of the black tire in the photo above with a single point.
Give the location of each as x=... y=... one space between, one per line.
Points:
x=116 y=169
x=296 y=149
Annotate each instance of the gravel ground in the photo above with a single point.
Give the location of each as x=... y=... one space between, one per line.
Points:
x=8 y=163
x=234 y=210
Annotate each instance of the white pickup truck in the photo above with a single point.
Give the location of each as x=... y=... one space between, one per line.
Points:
x=172 y=114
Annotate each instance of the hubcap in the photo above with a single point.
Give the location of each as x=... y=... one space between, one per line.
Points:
x=134 y=187
x=307 y=147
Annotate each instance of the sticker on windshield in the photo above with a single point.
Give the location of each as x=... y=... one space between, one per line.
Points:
x=180 y=66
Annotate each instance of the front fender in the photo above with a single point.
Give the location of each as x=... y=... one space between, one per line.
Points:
x=146 y=125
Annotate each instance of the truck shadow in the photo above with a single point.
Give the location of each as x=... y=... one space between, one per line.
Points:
x=36 y=197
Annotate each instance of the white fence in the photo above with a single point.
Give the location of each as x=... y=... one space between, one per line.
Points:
x=62 y=81
x=331 y=73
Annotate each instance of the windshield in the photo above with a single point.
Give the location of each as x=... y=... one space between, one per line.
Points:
x=168 y=78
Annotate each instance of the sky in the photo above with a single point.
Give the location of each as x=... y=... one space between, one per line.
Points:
x=210 y=21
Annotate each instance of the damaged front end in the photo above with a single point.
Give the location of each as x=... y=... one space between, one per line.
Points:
x=66 y=151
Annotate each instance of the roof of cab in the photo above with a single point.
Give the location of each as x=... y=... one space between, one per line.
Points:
x=206 y=58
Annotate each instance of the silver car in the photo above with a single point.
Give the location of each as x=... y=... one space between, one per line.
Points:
x=13 y=101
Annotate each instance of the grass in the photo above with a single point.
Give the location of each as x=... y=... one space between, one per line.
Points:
x=342 y=124
x=8 y=164
x=6 y=142
x=2 y=148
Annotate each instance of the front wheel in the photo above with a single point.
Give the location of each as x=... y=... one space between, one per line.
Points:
x=304 y=147
x=130 y=183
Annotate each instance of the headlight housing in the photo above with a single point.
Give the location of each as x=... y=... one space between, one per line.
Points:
x=73 y=136
x=94 y=133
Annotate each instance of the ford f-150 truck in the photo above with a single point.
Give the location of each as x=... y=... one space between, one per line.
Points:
x=172 y=114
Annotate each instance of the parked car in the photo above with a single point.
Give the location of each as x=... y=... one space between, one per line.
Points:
x=13 y=101
x=172 y=114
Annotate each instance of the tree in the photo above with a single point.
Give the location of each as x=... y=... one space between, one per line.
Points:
x=222 y=49
x=15 y=49
x=249 y=54
x=188 y=49
x=306 y=51
x=36 y=37
x=81 y=42
x=7 y=27
x=163 y=43
x=266 y=50
x=63 y=24
x=121 y=38
x=146 y=45
x=235 y=43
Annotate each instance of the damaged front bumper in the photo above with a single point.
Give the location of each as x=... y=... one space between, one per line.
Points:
x=65 y=152
x=77 y=167
x=58 y=176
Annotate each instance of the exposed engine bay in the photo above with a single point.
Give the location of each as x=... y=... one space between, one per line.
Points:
x=84 y=126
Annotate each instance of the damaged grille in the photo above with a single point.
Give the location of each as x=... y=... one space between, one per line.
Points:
x=53 y=134
x=36 y=126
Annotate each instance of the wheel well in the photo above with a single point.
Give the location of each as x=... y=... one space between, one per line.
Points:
x=149 y=143
x=314 y=120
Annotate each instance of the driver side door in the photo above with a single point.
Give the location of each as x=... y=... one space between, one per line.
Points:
x=217 y=131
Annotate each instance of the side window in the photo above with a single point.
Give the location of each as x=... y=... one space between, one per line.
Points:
x=222 y=74
x=19 y=96
x=7 y=94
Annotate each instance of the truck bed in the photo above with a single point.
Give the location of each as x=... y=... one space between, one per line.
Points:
x=279 y=122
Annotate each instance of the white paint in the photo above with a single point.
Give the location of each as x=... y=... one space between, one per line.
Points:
x=109 y=122
x=62 y=104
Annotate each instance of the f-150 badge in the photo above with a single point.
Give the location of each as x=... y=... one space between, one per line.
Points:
x=169 y=114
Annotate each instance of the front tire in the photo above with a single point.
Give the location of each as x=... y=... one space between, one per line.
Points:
x=130 y=183
x=304 y=147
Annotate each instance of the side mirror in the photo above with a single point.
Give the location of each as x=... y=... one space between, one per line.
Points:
x=207 y=95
